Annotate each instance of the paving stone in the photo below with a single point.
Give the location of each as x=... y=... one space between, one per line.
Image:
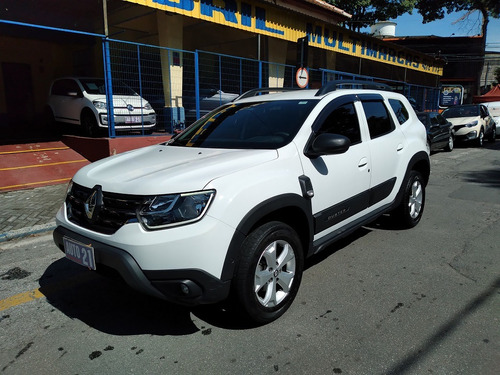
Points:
x=29 y=208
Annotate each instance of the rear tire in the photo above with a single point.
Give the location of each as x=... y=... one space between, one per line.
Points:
x=410 y=210
x=493 y=135
x=269 y=272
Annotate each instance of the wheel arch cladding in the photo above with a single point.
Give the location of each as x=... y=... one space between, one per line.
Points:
x=291 y=209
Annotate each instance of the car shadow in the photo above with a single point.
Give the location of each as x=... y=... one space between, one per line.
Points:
x=490 y=177
x=110 y=306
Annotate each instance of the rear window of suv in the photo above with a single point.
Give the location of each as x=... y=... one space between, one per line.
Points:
x=400 y=110
x=256 y=125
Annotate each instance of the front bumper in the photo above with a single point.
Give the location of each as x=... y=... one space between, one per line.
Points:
x=129 y=121
x=187 y=287
x=465 y=134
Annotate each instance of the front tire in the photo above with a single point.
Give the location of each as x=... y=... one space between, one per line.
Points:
x=411 y=208
x=480 y=138
x=493 y=134
x=269 y=272
x=89 y=124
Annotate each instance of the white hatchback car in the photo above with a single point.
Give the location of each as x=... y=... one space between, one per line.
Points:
x=234 y=204
x=82 y=101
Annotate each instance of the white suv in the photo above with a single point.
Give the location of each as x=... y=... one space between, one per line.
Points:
x=234 y=204
x=82 y=102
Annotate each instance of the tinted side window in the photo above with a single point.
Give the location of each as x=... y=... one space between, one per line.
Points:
x=434 y=120
x=344 y=121
x=441 y=120
x=63 y=86
x=400 y=110
x=58 y=88
x=379 y=121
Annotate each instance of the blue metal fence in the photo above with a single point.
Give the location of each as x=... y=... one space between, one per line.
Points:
x=422 y=98
x=181 y=86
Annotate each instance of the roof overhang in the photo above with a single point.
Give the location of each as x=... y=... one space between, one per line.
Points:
x=317 y=9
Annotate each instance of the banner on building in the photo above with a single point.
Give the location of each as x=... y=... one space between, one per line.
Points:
x=260 y=18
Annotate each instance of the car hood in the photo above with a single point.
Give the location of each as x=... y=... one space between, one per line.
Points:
x=165 y=169
x=462 y=120
x=121 y=100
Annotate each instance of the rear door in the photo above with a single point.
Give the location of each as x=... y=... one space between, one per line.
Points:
x=387 y=148
x=66 y=101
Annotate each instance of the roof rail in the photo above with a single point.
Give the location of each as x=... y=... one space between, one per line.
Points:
x=263 y=90
x=332 y=86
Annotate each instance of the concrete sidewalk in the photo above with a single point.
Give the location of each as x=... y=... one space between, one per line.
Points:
x=31 y=211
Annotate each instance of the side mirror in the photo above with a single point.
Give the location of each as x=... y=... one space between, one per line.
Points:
x=327 y=144
x=74 y=94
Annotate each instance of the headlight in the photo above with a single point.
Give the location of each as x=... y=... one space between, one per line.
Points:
x=471 y=124
x=70 y=186
x=148 y=107
x=99 y=105
x=165 y=211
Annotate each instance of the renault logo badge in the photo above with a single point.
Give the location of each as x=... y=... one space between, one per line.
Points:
x=94 y=203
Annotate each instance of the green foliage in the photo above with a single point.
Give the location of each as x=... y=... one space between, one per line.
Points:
x=436 y=9
x=367 y=12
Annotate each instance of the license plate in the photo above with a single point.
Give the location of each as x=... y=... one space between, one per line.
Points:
x=79 y=253
x=132 y=119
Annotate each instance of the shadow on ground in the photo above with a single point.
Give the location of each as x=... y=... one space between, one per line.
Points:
x=110 y=306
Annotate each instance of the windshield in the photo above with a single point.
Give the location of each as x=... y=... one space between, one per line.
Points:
x=97 y=87
x=258 y=125
x=462 y=111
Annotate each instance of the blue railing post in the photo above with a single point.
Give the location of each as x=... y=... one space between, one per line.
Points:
x=260 y=74
x=197 y=83
x=140 y=85
x=109 y=88
x=171 y=110
x=241 y=76
x=220 y=80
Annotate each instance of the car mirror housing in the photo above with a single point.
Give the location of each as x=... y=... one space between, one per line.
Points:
x=75 y=94
x=327 y=144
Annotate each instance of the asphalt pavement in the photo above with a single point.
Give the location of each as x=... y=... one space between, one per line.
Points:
x=31 y=211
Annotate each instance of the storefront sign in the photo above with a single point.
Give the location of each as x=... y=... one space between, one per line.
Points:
x=451 y=95
x=260 y=18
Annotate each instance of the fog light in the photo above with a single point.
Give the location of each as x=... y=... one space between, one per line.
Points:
x=184 y=289
x=472 y=135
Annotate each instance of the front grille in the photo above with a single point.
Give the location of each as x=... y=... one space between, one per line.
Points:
x=116 y=211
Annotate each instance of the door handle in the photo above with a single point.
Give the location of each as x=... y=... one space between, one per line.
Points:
x=400 y=147
x=362 y=163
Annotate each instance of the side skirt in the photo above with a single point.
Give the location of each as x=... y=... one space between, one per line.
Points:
x=322 y=243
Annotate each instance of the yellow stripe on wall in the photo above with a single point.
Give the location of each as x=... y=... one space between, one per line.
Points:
x=256 y=17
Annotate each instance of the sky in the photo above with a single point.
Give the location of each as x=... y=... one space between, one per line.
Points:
x=450 y=25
